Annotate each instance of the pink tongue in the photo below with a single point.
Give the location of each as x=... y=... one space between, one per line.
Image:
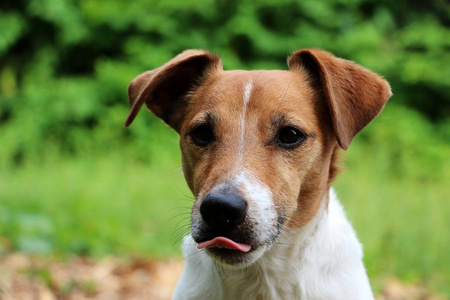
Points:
x=223 y=242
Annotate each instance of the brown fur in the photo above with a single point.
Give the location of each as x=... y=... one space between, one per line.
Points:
x=355 y=95
x=330 y=99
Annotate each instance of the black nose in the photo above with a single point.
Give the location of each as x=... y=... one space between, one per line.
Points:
x=223 y=211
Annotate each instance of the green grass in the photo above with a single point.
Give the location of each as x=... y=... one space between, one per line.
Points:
x=95 y=205
x=403 y=224
x=394 y=189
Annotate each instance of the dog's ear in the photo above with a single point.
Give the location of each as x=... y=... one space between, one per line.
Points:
x=164 y=89
x=354 y=94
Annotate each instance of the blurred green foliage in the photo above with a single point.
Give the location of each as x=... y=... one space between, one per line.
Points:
x=72 y=180
x=65 y=64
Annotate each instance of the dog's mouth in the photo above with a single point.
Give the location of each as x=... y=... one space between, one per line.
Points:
x=231 y=251
x=221 y=242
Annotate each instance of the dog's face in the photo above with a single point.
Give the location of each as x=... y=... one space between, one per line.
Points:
x=254 y=137
x=258 y=146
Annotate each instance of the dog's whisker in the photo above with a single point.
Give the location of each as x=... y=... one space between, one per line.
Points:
x=183 y=215
x=182 y=229
x=178 y=239
x=181 y=232
x=181 y=207
x=178 y=235
x=206 y=256
x=183 y=219
x=193 y=253
x=182 y=192
x=187 y=199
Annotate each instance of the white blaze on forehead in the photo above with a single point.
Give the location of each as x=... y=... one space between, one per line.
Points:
x=247 y=93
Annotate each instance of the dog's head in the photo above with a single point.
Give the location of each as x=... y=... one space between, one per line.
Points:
x=258 y=146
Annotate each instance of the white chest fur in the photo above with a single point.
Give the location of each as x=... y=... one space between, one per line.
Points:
x=321 y=261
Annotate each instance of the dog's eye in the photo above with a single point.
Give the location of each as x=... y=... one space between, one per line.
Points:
x=289 y=137
x=202 y=135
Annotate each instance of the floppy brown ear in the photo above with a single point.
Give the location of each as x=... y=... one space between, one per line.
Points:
x=355 y=95
x=163 y=90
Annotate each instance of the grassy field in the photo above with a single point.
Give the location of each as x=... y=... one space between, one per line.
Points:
x=394 y=188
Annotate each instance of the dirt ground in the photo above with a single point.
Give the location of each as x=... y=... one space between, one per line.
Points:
x=26 y=278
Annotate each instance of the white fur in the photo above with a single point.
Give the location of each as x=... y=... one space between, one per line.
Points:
x=323 y=260
x=261 y=210
x=247 y=92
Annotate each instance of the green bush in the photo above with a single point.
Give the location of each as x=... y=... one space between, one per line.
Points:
x=66 y=64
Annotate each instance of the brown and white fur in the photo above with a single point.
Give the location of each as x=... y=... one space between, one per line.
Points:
x=302 y=245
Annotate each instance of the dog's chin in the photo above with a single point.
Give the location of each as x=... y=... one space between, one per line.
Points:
x=236 y=259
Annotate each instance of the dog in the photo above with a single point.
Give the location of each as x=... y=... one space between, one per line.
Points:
x=259 y=153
